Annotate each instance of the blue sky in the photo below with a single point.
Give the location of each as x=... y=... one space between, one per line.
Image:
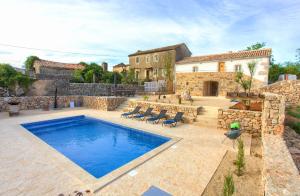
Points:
x=112 y=29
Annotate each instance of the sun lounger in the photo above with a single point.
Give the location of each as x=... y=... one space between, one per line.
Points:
x=129 y=114
x=142 y=116
x=156 y=119
x=173 y=122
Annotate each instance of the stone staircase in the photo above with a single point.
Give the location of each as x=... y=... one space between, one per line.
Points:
x=124 y=107
x=208 y=117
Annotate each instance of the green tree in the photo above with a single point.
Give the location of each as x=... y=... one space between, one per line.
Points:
x=29 y=62
x=11 y=79
x=274 y=71
x=256 y=46
x=251 y=67
x=128 y=77
x=92 y=73
x=168 y=68
x=240 y=160
x=239 y=78
x=228 y=187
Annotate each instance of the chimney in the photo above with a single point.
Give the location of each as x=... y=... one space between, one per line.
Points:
x=104 y=66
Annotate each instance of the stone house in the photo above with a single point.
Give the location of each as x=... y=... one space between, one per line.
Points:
x=150 y=64
x=214 y=75
x=44 y=69
x=121 y=67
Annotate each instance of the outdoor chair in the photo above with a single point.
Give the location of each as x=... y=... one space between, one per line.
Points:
x=154 y=191
x=173 y=122
x=156 y=119
x=233 y=133
x=147 y=113
x=129 y=114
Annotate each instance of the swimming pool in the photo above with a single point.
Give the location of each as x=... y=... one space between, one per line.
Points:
x=97 y=146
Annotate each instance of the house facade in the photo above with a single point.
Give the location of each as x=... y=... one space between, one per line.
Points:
x=121 y=67
x=214 y=75
x=44 y=69
x=150 y=64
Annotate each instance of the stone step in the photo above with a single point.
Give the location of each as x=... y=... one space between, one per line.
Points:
x=205 y=121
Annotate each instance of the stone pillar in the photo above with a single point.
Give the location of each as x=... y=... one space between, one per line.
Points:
x=273 y=114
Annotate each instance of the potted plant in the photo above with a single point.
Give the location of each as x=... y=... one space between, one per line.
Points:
x=13 y=108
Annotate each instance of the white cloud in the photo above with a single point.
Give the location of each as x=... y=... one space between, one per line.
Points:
x=117 y=28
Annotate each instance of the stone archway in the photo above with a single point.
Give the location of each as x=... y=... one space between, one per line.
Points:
x=210 y=88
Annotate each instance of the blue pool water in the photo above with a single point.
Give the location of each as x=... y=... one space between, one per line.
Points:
x=97 y=146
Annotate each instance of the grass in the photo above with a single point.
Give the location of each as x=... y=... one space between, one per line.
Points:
x=294 y=112
x=295 y=126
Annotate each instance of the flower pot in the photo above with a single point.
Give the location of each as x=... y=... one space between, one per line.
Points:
x=13 y=108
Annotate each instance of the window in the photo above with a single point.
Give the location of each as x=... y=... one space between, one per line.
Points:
x=137 y=60
x=147 y=59
x=238 y=68
x=156 y=58
x=195 y=69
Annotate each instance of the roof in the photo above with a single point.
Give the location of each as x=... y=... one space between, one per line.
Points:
x=120 y=65
x=166 y=48
x=52 y=64
x=267 y=52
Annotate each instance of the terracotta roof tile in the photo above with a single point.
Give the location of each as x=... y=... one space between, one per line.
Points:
x=121 y=65
x=52 y=64
x=227 y=56
x=166 y=48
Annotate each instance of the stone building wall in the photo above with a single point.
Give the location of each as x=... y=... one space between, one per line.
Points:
x=288 y=88
x=190 y=112
x=40 y=102
x=250 y=120
x=194 y=82
x=102 y=103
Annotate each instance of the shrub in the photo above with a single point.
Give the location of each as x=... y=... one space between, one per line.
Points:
x=228 y=188
x=295 y=126
x=29 y=62
x=240 y=162
x=146 y=97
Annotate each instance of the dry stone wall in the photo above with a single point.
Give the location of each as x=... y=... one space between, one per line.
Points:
x=102 y=103
x=273 y=114
x=64 y=88
x=190 y=112
x=40 y=102
x=290 y=89
x=250 y=120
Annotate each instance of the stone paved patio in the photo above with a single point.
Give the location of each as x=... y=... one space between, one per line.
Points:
x=30 y=167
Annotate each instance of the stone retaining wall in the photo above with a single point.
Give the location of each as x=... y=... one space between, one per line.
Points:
x=40 y=102
x=280 y=175
x=270 y=120
x=190 y=112
x=99 y=89
x=102 y=103
x=288 y=88
x=250 y=120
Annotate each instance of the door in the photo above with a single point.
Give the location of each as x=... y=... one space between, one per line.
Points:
x=210 y=88
x=221 y=66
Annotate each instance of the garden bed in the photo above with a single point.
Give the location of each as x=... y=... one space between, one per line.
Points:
x=250 y=183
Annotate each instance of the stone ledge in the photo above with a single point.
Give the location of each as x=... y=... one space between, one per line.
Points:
x=280 y=174
x=190 y=112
